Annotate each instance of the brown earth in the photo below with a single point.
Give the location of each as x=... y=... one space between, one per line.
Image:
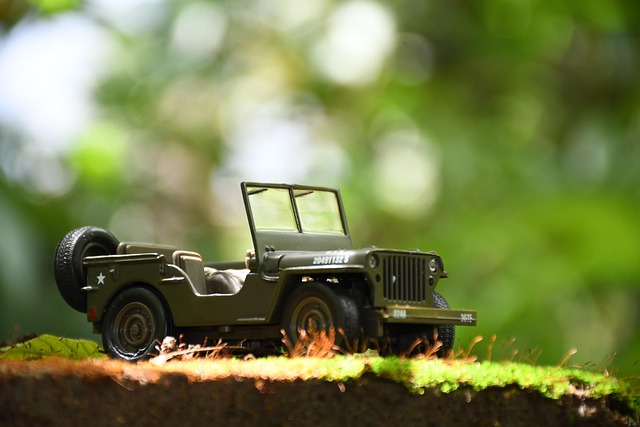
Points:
x=109 y=393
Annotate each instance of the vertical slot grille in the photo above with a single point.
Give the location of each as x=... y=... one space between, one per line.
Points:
x=405 y=278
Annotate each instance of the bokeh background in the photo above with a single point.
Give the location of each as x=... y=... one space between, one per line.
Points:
x=504 y=134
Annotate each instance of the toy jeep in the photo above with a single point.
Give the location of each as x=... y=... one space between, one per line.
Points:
x=303 y=274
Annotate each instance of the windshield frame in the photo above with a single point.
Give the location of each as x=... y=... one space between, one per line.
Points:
x=295 y=236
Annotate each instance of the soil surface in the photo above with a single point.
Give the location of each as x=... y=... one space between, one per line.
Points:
x=109 y=393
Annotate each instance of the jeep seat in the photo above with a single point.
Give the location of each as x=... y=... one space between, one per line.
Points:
x=209 y=280
x=191 y=263
x=226 y=282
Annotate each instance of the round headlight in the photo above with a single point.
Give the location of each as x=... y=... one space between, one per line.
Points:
x=433 y=265
x=373 y=261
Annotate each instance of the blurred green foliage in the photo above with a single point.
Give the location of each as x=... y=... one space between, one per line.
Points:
x=505 y=134
x=49 y=346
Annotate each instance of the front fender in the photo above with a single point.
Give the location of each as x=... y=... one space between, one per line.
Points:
x=293 y=276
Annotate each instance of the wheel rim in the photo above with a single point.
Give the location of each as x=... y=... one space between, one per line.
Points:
x=134 y=328
x=311 y=315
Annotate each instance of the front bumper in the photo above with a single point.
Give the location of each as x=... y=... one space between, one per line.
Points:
x=374 y=319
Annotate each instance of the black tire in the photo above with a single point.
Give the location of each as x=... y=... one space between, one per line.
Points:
x=135 y=322
x=68 y=270
x=315 y=307
x=446 y=333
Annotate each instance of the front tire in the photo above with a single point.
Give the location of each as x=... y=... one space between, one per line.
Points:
x=315 y=307
x=446 y=333
x=135 y=321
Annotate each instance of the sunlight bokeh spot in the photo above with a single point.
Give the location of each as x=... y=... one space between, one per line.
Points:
x=198 y=31
x=406 y=171
x=359 y=37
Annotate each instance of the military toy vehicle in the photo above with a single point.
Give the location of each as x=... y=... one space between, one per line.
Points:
x=303 y=275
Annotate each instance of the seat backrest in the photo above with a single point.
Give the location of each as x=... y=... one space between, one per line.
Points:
x=144 y=248
x=191 y=263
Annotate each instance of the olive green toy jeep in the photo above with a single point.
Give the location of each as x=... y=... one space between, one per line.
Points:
x=303 y=274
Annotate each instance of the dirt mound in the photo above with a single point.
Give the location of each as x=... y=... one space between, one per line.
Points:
x=108 y=393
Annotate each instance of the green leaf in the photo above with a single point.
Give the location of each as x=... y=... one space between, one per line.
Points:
x=49 y=345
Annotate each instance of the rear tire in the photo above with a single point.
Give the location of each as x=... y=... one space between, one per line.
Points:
x=69 y=272
x=135 y=322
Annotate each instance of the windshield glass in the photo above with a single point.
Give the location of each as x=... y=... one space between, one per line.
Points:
x=272 y=209
x=318 y=210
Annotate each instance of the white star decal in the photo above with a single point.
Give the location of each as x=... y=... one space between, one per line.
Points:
x=101 y=278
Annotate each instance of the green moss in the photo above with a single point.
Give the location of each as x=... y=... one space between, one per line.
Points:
x=447 y=376
x=418 y=375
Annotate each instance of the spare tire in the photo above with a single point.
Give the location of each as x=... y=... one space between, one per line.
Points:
x=69 y=272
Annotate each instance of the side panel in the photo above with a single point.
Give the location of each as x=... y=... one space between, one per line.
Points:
x=249 y=306
x=109 y=275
